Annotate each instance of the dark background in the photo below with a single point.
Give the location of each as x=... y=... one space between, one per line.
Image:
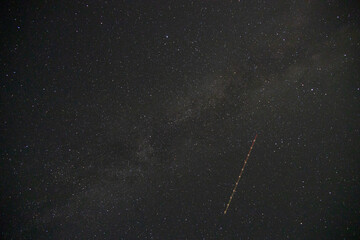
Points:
x=132 y=119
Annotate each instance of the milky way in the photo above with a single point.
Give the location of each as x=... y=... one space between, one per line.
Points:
x=130 y=120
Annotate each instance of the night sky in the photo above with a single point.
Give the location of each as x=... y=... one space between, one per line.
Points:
x=132 y=119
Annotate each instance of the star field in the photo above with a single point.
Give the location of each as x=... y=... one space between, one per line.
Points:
x=132 y=119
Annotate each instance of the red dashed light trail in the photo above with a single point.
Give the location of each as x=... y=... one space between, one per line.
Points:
x=237 y=182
